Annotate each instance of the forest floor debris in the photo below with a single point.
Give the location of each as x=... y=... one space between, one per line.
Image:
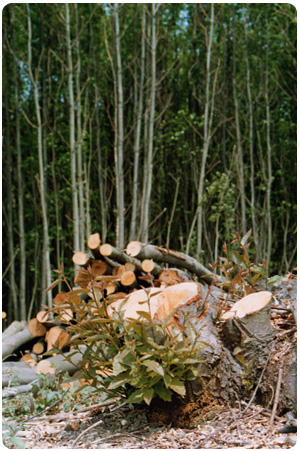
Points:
x=141 y=428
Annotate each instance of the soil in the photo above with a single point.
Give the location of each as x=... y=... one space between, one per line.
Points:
x=192 y=426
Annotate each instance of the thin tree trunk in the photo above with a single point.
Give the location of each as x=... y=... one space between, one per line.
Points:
x=46 y=253
x=240 y=166
x=269 y=153
x=81 y=216
x=9 y=189
x=76 y=243
x=251 y=145
x=137 y=140
x=149 y=161
x=22 y=289
x=207 y=135
x=119 y=130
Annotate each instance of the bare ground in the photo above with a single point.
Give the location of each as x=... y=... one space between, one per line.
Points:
x=193 y=426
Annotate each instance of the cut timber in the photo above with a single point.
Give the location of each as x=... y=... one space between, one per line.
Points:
x=36 y=328
x=119 y=256
x=59 y=363
x=96 y=268
x=42 y=316
x=249 y=319
x=4 y=315
x=130 y=266
x=11 y=344
x=128 y=279
x=93 y=243
x=159 y=254
x=163 y=302
x=110 y=287
x=30 y=359
x=149 y=265
x=56 y=338
x=169 y=277
x=80 y=259
x=19 y=370
x=44 y=367
x=16 y=326
x=66 y=315
x=13 y=391
x=248 y=305
x=38 y=348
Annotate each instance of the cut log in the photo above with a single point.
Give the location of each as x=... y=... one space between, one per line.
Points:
x=97 y=268
x=39 y=347
x=110 y=287
x=93 y=243
x=119 y=256
x=11 y=344
x=80 y=259
x=36 y=328
x=59 y=363
x=14 y=327
x=162 y=301
x=149 y=265
x=13 y=391
x=56 y=337
x=130 y=266
x=20 y=373
x=31 y=359
x=159 y=254
x=42 y=316
x=4 y=315
x=128 y=279
x=169 y=277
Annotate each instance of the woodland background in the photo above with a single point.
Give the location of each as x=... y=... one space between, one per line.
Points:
x=168 y=123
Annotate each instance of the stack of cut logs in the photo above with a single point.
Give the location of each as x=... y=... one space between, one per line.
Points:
x=128 y=270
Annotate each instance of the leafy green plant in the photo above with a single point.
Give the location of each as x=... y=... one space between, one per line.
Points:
x=136 y=360
x=242 y=276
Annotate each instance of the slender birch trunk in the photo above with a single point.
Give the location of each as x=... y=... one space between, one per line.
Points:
x=119 y=130
x=240 y=165
x=208 y=108
x=22 y=290
x=269 y=153
x=81 y=215
x=137 y=138
x=149 y=160
x=101 y=172
x=46 y=253
x=251 y=144
x=76 y=243
x=12 y=308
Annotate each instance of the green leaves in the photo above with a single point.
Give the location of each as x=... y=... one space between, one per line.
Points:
x=154 y=366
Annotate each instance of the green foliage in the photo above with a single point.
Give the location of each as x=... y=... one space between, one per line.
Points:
x=135 y=360
x=236 y=266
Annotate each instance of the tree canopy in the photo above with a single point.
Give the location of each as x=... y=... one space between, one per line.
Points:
x=168 y=123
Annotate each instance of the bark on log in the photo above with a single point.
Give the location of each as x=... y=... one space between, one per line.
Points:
x=159 y=254
x=119 y=256
x=13 y=391
x=15 y=327
x=59 y=363
x=19 y=370
x=11 y=344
